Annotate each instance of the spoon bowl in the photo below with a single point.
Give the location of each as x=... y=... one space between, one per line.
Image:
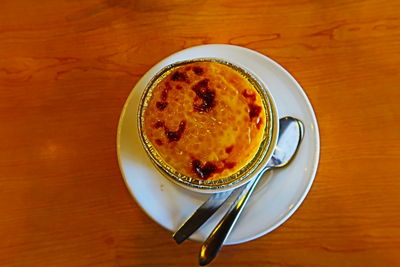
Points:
x=291 y=132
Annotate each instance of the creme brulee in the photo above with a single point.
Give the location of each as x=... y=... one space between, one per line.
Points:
x=205 y=119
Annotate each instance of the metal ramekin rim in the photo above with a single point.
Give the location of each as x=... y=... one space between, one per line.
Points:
x=240 y=177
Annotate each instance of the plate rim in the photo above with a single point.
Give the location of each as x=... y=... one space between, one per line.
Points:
x=316 y=151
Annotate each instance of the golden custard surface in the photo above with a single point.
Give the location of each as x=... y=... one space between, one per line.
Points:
x=205 y=120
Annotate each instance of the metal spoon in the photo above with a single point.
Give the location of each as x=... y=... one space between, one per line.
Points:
x=208 y=208
x=291 y=133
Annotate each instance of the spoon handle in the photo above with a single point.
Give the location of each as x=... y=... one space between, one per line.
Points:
x=210 y=248
x=201 y=215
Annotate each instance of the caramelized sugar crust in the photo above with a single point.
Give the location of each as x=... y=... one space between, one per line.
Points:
x=205 y=119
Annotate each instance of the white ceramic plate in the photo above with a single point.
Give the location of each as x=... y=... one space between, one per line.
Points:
x=277 y=196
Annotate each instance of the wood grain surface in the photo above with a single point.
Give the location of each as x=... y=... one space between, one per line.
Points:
x=67 y=66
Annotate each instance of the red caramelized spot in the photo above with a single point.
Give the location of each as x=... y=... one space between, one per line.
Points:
x=159 y=142
x=252 y=97
x=159 y=124
x=229 y=165
x=203 y=172
x=180 y=77
x=172 y=135
x=198 y=70
x=209 y=168
x=161 y=105
x=188 y=68
x=254 y=111
x=206 y=94
x=175 y=135
x=164 y=93
x=178 y=87
x=229 y=149
x=259 y=122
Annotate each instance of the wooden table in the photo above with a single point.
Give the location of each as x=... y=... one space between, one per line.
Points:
x=66 y=68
